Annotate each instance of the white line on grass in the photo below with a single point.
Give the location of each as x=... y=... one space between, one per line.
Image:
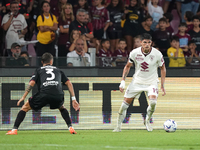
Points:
x=107 y=147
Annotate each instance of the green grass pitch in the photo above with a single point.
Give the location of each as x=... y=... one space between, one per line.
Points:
x=101 y=140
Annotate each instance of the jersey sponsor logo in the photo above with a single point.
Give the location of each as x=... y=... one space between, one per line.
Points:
x=139 y=57
x=47 y=83
x=144 y=67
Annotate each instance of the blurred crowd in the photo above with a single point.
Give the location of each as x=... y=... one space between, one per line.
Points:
x=69 y=28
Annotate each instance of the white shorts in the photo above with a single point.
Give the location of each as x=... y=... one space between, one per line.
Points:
x=134 y=90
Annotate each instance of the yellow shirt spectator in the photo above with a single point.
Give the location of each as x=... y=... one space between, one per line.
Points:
x=45 y=37
x=178 y=61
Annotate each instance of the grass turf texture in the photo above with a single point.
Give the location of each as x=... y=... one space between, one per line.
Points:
x=100 y=139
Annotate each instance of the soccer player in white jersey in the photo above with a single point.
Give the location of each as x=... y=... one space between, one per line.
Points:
x=146 y=59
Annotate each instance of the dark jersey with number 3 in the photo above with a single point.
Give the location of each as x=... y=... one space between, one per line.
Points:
x=49 y=80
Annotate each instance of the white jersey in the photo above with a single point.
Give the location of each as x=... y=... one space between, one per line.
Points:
x=18 y=23
x=146 y=65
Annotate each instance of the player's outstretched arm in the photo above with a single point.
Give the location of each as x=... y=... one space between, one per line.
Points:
x=163 y=75
x=75 y=104
x=124 y=75
x=28 y=89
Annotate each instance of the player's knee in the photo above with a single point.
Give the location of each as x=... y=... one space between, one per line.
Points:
x=153 y=103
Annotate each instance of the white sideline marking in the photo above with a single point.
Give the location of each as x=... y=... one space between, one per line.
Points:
x=143 y=148
x=107 y=147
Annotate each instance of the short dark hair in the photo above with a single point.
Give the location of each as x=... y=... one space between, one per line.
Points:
x=103 y=41
x=191 y=42
x=175 y=38
x=189 y=15
x=14 y=2
x=122 y=39
x=168 y=16
x=163 y=19
x=146 y=36
x=24 y=52
x=148 y=17
x=46 y=58
x=182 y=24
x=195 y=17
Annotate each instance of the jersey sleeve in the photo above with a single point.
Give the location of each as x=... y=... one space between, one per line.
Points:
x=63 y=78
x=160 y=60
x=131 y=57
x=35 y=76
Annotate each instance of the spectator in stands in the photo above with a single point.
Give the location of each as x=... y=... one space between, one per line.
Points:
x=66 y=17
x=188 y=19
x=169 y=18
x=25 y=55
x=82 y=4
x=162 y=37
x=175 y=54
x=121 y=54
x=155 y=11
x=78 y=57
x=105 y=54
x=100 y=21
x=15 y=26
x=189 y=5
x=79 y=24
x=137 y=41
x=195 y=32
x=184 y=38
x=134 y=15
x=114 y=30
x=75 y=35
x=192 y=56
x=88 y=22
x=146 y=26
x=47 y=25
x=16 y=59
x=178 y=6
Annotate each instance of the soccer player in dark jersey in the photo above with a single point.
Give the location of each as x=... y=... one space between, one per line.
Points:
x=49 y=80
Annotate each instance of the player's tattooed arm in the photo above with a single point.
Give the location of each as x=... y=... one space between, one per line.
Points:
x=126 y=70
x=29 y=88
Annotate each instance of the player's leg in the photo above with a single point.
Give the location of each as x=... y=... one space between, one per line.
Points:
x=66 y=117
x=20 y=117
x=152 y=95
x=122 y=113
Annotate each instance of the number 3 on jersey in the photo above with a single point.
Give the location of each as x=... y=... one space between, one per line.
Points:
x=50 y=71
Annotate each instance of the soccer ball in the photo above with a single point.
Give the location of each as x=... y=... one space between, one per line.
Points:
x=170 y=125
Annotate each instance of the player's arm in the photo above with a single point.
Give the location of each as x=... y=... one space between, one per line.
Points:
x=28 y=89
x=163 y=75
x=75 y=104
x=124 y=75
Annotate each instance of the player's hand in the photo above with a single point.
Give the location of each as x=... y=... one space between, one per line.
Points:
x=75 y=105
x=163 y=90
x=19 y=101
x=122 y=86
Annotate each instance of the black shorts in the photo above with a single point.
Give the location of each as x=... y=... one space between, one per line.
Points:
x=98 y=34
x=114 y=34
x=40 y=100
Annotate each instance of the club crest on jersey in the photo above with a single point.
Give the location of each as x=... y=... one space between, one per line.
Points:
x=151 y=57
x=139 y=57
